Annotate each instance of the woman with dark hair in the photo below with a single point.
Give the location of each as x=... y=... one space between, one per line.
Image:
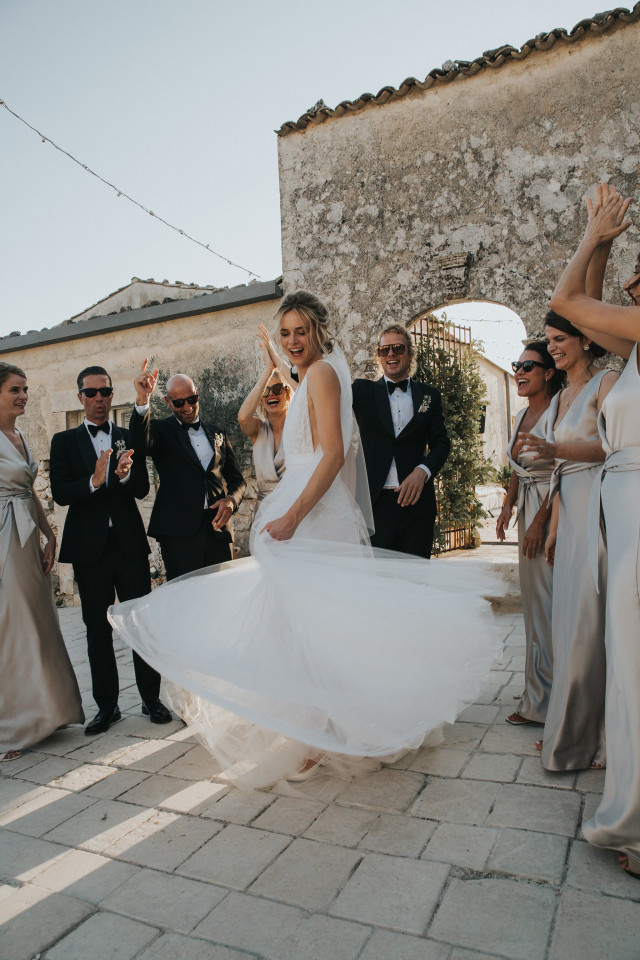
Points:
x=616 y=498
x=38 y=688
x=313 y=652
x=574 y=736
x=538 y=380
x=262 y=416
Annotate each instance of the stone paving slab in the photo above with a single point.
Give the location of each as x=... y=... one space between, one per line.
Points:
x=463 y=850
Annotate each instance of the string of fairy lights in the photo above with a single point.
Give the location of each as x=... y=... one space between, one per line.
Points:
x=121 y=193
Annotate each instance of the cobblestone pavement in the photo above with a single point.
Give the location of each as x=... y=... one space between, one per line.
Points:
x=125 y=846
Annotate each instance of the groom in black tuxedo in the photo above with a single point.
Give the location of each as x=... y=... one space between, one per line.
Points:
x=405 y=443
x=201 y=483
x=96 y=473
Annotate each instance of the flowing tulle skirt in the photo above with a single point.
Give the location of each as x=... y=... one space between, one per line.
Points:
x=315 y=646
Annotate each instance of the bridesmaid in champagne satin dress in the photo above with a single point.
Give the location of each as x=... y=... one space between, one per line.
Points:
x=38 y=688
x=537 y=380
x=616 y=503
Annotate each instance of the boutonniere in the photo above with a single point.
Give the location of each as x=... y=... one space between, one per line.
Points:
x=218 y=440
x=120 y=446
x=424 y=406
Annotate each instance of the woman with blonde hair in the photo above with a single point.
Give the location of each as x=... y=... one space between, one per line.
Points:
x=262 y=415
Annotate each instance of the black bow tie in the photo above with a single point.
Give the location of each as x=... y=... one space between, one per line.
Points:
x=190 y=426
x=401 y=384
x=94 y=427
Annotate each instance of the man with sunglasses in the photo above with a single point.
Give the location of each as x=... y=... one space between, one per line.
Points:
x=405 y=443
x=95 y=472
x=201 y=483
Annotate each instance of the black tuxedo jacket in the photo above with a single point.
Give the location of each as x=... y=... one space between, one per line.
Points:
x=177 y=511
x=424 y=440
x=72 y=464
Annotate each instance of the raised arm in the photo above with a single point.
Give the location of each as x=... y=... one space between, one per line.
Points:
x=324 y=407
x=249 y=423
x=578 y=292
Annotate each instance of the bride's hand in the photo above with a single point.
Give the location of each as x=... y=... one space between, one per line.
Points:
x=281 y=529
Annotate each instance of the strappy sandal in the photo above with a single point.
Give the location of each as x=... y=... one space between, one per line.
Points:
x=11 y=755
x=517 y=719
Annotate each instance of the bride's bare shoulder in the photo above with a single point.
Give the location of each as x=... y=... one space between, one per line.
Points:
x=322 y=376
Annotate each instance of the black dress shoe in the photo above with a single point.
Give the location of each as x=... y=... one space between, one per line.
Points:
x=156 y=711
x=102 y=721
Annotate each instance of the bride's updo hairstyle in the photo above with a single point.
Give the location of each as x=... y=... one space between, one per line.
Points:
x=315 y=312
x=559 y=323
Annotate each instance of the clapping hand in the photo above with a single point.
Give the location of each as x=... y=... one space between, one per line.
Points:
x=270 y=357
x=607 y=215
x=145 y=384
x=125 y=462
x=102 y=465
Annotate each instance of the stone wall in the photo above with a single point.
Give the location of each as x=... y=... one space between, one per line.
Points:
x=472 y=189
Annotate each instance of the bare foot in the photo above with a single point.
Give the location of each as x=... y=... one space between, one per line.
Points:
x=629 y=865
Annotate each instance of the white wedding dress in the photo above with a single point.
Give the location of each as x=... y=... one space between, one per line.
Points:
x=316 y=645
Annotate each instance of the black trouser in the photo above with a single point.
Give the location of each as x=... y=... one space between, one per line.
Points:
x=405 y=529
x=98 y=583
x=185 y=554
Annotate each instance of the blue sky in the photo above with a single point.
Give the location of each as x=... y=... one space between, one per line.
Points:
x=177 y=105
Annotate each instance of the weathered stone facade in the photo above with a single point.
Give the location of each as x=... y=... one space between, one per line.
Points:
x=470 y=189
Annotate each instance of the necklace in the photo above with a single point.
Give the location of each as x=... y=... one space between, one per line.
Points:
x=568 y=400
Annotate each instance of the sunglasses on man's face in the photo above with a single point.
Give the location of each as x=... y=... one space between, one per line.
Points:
x=527 y=365
x=396 y=348
x=92 y=391
x=276 y=389
x=192 y=400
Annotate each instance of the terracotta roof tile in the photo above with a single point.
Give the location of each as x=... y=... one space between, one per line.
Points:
x=598 y=24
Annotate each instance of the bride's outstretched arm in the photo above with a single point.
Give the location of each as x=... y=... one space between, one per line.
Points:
x=324 y=403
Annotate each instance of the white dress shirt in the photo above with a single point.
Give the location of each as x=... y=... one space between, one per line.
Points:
x=401 y=403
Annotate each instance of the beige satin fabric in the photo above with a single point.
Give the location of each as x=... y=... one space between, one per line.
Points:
x=38 y=688
x=574 y=734
x=616 y=822
x=536 y=576
x=268 y=462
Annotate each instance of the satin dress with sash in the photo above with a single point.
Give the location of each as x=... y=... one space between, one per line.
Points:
x=38 y=688
x=268 y=462
x=536 y=576
x=616 y=822
x=574 y=730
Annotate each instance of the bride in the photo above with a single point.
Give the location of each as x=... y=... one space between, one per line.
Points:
x=318 y=647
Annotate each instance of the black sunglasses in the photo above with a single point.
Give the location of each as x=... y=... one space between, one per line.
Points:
x=92 y=391
x=397 y=348
x=276 y=389
x=527 y=365
x=192 y=400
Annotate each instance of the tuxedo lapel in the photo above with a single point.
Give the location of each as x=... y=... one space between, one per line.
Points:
x=183 y=438
x=211 y=437
x=86 y=448
x=383 y=405
x=417 y=395
x=116 y=435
